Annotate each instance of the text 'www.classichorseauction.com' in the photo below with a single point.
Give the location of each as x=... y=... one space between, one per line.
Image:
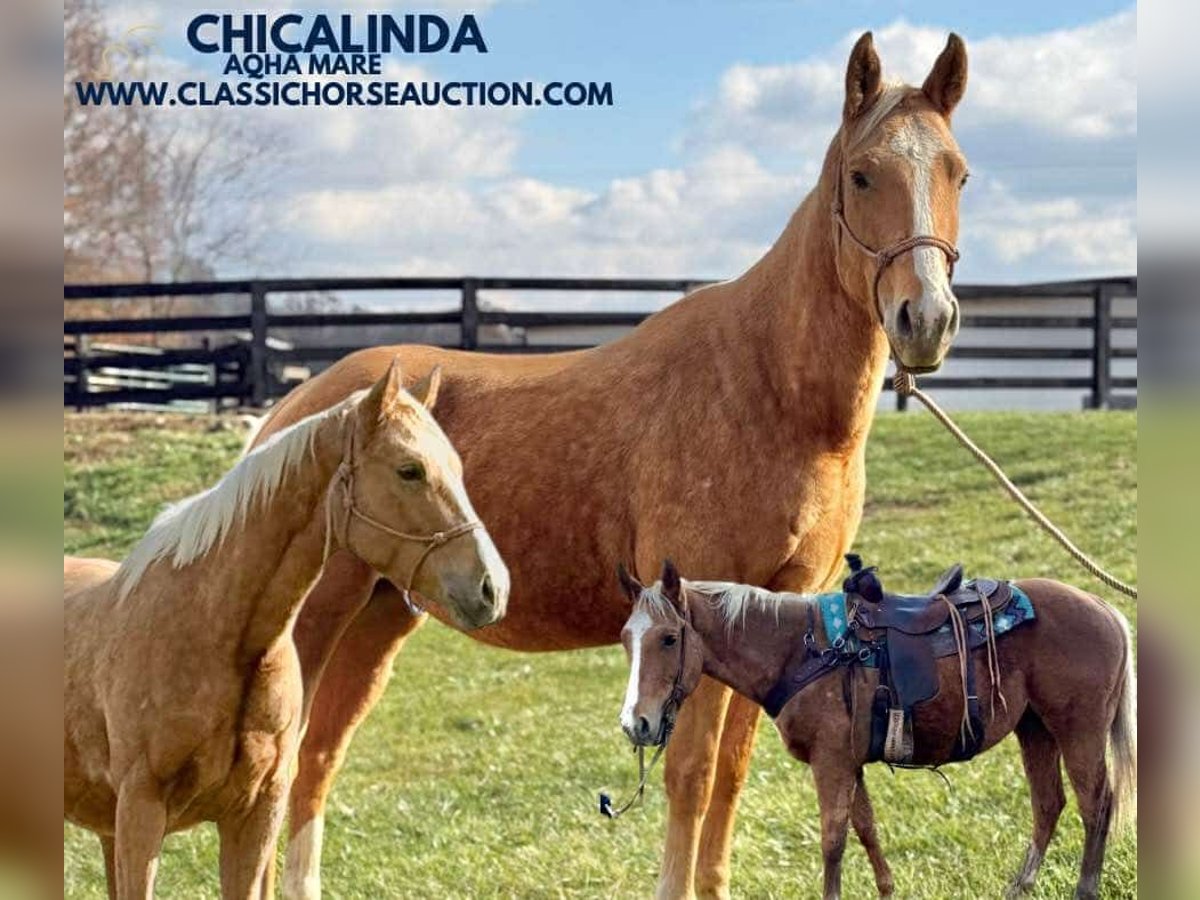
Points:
x=293 y=59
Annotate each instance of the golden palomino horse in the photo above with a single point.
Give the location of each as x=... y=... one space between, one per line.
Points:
x=183 y=698
x=728 y=430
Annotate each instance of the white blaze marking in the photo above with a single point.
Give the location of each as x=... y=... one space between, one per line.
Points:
x=487 y=550
x=920 y=146
x=638 y=624
x=302 y=871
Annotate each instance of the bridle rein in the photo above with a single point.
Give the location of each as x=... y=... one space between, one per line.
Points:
x=888 y=255
x=343 y=483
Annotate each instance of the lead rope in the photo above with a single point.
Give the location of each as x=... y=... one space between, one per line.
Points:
x=606 y=808
x=906 y=386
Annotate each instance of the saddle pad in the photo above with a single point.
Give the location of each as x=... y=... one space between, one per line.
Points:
x=837 y=625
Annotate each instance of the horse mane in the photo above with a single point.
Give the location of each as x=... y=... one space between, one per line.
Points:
x=190 y=528
x=730 y=599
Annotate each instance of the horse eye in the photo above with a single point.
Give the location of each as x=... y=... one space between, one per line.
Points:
x=962 y=184
x=669 y=640
x=411 y=472
x=860 y=180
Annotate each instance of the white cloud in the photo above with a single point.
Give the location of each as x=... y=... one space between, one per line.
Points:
x=689 y=221
x=1021 y=239
x=1079 y=82
x=1049 y=123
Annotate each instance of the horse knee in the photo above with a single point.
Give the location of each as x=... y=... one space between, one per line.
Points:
x=728 y=788
x=689 y=788
x=833 y=847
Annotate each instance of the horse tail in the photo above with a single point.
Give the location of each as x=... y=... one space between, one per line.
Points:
x=1122 y=735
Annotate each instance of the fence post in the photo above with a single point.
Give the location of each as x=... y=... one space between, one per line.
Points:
x=258 y=345
x=470 y=313
x=1101 y=345
x=82 y=354
x=901 y=402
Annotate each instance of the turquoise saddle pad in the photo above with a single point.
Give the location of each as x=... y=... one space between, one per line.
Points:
x=837 y=625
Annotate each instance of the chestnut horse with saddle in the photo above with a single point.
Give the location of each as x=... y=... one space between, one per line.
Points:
x=862 y=675
x=728 y=429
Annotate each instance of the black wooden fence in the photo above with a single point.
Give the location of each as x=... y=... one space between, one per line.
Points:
x=242 y=370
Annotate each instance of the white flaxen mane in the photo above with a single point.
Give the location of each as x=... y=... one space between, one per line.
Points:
x=731 y=599
x=187 y=530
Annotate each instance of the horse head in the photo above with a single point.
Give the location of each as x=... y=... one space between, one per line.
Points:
x=404 y=509
x=895 y=174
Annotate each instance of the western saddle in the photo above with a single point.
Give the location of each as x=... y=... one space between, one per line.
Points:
x=908 y=634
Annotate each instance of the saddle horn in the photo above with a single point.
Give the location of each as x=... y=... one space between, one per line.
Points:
x=862 y=581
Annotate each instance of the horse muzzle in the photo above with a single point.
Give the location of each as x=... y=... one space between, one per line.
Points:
x=921 y=331
x=644 y=733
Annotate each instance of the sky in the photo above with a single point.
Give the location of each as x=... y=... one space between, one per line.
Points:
x=722 y=114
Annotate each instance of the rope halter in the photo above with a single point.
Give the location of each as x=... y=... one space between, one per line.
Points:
x=343 y=483
x=885 y=257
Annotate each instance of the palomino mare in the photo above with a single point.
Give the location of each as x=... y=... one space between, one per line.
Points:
x=1066 y=679
x=580 y=460
x=183 y=697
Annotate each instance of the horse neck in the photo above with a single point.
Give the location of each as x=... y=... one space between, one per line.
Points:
x=748 y=655
x=279 y=546
x=827 y=353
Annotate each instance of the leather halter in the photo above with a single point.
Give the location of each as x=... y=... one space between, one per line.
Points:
x=343 y=479
x=888 y=255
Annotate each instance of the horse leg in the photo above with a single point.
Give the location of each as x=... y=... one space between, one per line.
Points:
x=141 y=827
x=862 y=817
x=1043 y=769
x=1083 y=754
x=691 y=763
x=248 y=844
x=835 y=794
x=733 y=762
x=108 y=845
x=353 y=681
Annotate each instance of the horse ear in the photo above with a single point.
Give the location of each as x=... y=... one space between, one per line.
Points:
x=864 y=78
x=383 y=395
x=425 y=391
x=630 y=585
x=672 y=587
x=947 y=81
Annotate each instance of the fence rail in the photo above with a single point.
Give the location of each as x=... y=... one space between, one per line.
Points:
x=242 y=371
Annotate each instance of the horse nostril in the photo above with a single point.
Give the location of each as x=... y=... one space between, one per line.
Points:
x=904 y=319
x=487 y=589
x=954 y=319
x=643 y=726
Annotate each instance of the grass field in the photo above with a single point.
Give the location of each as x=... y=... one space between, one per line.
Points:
x=477 y=775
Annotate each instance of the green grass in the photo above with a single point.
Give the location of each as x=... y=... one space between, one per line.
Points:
x=477 y=775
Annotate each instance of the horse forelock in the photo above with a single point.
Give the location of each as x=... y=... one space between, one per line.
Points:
x=188 y=529
x=892 y=95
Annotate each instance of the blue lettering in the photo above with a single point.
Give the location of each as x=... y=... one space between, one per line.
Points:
x=193 y=33
x=468 y=35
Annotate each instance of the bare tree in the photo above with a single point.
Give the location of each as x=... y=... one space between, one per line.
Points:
x=152 y=193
